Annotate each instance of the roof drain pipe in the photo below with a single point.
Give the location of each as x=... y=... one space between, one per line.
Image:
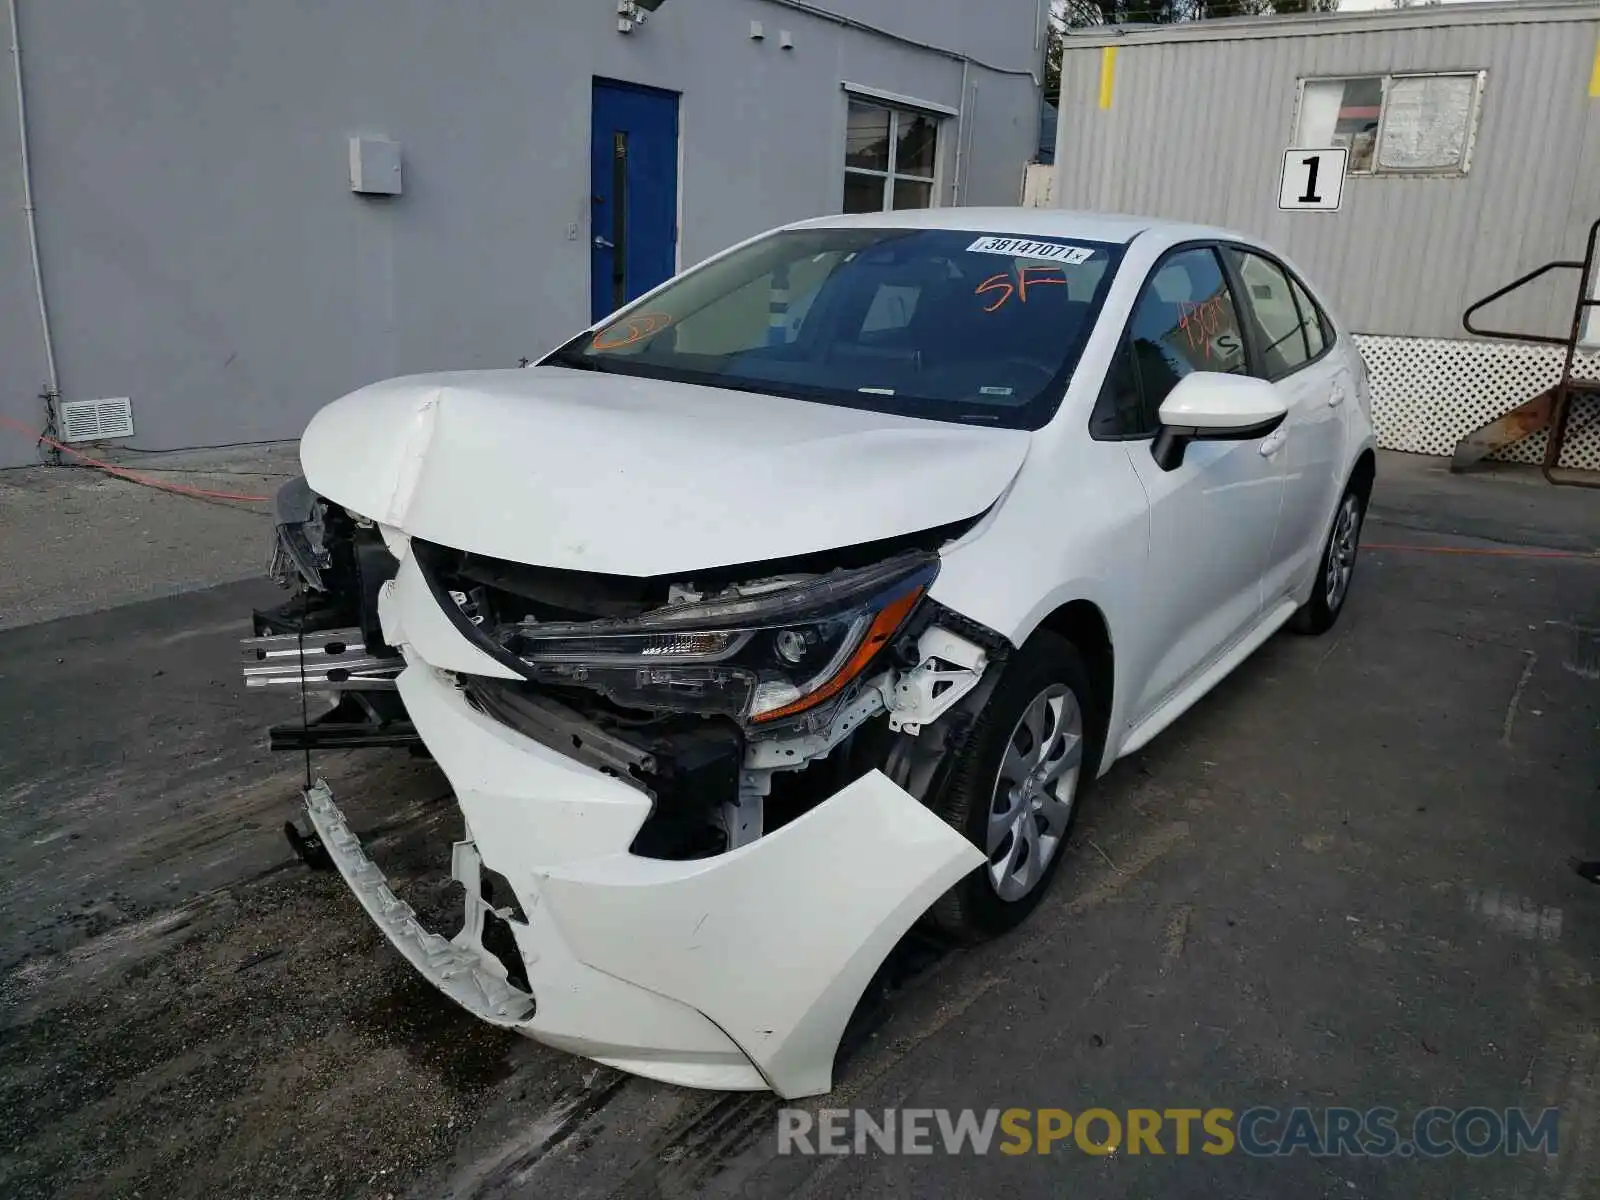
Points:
x=969 y=106
x=961 y=133
x=53 y=386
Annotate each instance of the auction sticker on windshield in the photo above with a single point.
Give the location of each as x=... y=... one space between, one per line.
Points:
x=1024 y=248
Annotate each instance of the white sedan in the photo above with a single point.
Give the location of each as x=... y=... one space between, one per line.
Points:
x=803 y=600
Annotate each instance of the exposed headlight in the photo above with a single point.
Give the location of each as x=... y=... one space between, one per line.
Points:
x=298 y=534
x=757 y=659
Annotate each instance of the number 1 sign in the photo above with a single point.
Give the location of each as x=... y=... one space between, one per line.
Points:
x=1313 y=179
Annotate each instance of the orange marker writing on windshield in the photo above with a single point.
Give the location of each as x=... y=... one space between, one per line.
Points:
x=1026 y=275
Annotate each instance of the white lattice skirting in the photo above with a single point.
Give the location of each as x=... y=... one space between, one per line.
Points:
x=1428 y=393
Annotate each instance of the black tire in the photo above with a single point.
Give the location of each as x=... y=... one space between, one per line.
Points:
x=1318 y=614
x=973 y=910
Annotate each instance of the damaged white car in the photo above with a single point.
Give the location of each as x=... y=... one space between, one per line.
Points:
x=802 y=600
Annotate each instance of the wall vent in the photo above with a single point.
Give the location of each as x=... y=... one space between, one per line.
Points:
x=92 y=420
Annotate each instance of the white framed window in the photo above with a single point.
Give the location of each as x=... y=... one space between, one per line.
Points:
x=890 y=158
x=1414 y=123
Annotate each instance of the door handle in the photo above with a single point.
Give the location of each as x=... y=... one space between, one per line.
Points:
x=601 y=243
x=1336 y=397
x=1273 y=442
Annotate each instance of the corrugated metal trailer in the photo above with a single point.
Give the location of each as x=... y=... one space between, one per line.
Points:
x=1473 y=140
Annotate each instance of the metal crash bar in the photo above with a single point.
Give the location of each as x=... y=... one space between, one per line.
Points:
x=329 y=660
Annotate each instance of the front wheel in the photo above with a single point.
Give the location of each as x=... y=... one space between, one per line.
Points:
x=1016 y=786
x=1336 y=569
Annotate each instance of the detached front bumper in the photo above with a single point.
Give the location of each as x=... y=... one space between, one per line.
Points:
x=737 y=971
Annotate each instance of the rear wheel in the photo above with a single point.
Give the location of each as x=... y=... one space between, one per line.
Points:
x=1336 y=569
x=1016 y=788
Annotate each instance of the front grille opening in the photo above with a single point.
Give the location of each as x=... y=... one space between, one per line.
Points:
x=498 y=938
x=497 y=891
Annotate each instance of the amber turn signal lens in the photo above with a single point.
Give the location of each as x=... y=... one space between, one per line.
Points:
x=883 y=627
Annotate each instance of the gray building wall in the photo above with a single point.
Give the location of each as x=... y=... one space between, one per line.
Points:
x=1201 y=116
x=202 y=251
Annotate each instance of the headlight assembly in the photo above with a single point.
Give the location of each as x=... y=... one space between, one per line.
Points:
x=298 y=535
x=757 y=659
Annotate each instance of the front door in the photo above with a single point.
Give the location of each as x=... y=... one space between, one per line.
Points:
x=633 y=173
x=1212 y=519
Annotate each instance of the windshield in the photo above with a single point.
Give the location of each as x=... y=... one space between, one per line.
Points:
x=974 y=327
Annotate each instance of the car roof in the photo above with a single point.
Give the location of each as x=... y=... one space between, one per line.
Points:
x=1118 y=228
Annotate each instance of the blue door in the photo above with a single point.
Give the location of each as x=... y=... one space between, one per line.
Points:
x=633 y=170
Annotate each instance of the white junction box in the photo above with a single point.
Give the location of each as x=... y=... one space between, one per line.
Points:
x=374 y=166
x=93 y=420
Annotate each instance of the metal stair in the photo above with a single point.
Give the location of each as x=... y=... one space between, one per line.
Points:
x=1551 y=410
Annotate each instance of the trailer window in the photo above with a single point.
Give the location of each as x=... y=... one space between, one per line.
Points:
x=1402 y=124
x=1427 y=120
x=1342 y=112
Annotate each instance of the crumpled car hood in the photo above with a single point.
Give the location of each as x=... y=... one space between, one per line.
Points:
x=609 y=473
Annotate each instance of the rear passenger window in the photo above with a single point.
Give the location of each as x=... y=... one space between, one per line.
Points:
x=1284 y=345
x=1316 y=338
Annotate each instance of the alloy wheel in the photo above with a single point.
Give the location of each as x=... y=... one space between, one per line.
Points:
x=1342 y=551
x=1034 y=791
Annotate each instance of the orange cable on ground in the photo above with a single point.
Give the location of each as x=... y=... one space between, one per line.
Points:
x=134 y=476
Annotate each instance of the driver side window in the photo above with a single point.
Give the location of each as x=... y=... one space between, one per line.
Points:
x=1185 y=320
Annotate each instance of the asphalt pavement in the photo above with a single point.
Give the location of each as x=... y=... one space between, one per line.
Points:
x=1343 y=879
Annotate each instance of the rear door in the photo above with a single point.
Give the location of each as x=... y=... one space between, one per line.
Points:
x=1292 y=351
x=1212 y=518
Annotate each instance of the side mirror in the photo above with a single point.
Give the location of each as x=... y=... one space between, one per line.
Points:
x=1214 y=407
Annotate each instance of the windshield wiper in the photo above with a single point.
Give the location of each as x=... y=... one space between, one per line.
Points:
x=576 y=363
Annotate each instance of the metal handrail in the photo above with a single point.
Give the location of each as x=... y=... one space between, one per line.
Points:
x=1561 y=394
x=1547 y=339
